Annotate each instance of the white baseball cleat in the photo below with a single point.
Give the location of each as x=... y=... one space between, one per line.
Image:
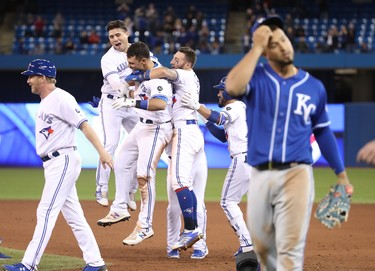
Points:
x=113 y=218
x=137 y=236
x=102 y=198
x=132 y=204
x=187 y=239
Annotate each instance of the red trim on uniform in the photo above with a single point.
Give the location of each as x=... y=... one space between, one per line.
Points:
x=180 y=189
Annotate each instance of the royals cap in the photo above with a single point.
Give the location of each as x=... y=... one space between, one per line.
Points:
x=41 y=67
x=270 y=20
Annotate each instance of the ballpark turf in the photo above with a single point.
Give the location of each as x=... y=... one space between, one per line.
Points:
x=27 y=183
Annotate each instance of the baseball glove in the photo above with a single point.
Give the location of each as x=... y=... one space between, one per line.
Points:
x=334 y=208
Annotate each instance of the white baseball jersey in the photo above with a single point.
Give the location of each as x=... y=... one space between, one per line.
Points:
x=57 y=118
x=151 y=89
x=114 y=65
x=56 y=122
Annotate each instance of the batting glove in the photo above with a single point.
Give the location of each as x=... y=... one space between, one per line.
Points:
x=95 y=102
x=187 y=100
x=138 y=76
x=123 y=102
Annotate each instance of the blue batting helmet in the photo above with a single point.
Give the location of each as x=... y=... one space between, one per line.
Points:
x=221 y=86
x=41 y=67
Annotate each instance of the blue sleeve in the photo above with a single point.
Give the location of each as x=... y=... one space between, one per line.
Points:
x=216 y=131
x=328 y=146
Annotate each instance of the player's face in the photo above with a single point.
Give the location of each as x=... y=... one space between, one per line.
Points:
x=118 y=38
x=221 y=101
x=136 y=64
x=280 y=49
x=178 y=61
x=34 y=82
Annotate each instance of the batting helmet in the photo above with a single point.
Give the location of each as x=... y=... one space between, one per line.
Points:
x=221 y=86
x=41 y=67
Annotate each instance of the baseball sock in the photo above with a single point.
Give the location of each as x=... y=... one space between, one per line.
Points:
x=194 y=208
x=185 y=199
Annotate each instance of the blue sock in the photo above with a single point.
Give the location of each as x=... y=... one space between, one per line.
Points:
x=186 y=201
x=194 y=208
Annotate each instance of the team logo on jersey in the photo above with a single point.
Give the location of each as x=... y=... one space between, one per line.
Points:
x=160 y=88
x=303 y=108
x=46 y=132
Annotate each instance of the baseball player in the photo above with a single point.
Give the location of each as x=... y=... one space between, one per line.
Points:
x=187 y=147
x=115 y=68
x=146 y=142
x=57 y=118
x=233 y=118
x=284 y=106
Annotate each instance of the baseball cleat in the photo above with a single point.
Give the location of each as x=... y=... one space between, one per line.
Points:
x=173 y=254
x=15 y=267
x=132 y=204
x=95 y=268
x=243 y=249
x=113 y=218
x=102 y=198
x=199 y=254
x=137 y=236
x=187 y=239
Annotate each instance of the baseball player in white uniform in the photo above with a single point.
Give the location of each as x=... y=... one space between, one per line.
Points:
x=115 y=68
x=233 y=118
x=187 y=171
x=146 y=142
x=57 y=118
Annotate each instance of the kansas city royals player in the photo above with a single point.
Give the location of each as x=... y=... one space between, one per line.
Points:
x=187 y=148
x=233 y=118
x=114 y=65
x=284 y=105
x=146 y=142
x=57 y=118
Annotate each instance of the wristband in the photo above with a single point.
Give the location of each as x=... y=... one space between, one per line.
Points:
x=141 y=104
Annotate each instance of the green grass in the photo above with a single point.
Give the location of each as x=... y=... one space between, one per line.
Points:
x=27 y=183
x=48 y=262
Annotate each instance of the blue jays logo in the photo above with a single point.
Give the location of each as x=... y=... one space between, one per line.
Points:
x=46 y=132
x=303 y=108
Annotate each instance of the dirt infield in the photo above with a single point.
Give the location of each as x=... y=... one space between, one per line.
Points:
x=352 y=247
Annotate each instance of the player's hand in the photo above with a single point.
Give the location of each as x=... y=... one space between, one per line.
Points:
x=261 y=37
x=124 y=92
x=95 y=102
x=106 y=159
x=123 y=102
x=367 y=153
x=138 y=76
x=188 y=100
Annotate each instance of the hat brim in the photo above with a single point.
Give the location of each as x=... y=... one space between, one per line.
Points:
x=219 y=87
x=27 y=72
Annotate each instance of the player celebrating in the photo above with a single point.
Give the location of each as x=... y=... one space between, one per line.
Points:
x=146 y=142
x=57 y=118
x=187 y=149
x=233 y=118
x=284 y=105
x=115 y=68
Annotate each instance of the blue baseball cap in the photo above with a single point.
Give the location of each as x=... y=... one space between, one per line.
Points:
x=270 y=20
x=41 y=67
x=221 y=85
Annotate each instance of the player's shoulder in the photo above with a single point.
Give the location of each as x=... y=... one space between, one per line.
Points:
x=236 y=105
x=111 y=53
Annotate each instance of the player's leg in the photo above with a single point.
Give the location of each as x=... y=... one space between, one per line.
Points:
x=173 y=217
x=73 y=214
x=234 y=188
x=111 y=125
x=260 y=214
x=199 y=185
x=151 y=141
x=292 y=216
x=60 y=174
x=186 y=143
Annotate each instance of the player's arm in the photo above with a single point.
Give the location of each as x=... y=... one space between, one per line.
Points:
x=157 y=73
x=240 y=75
x=367 y=153
x=216 y=131
x=90 y=134
x=328 y=146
